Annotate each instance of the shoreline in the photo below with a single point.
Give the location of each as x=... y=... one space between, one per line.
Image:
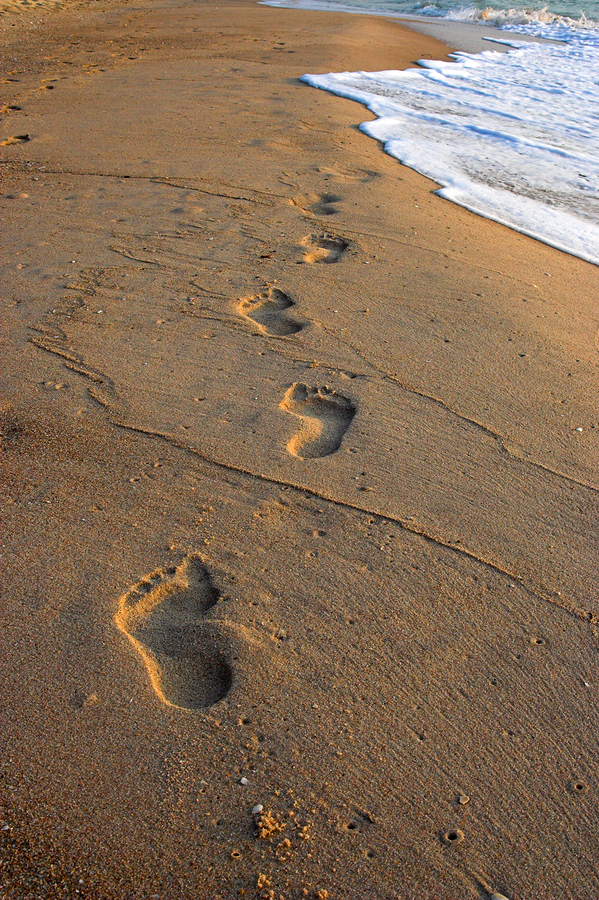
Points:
x=464 y=37
x=469 y=38
x=299 y=514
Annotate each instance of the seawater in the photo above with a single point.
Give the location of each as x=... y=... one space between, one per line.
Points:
x=511 y=136
x=502 y=12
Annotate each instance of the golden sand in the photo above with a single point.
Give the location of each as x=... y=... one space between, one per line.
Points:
x=326 y=424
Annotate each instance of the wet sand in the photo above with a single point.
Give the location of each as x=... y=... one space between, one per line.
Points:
x=299 y=541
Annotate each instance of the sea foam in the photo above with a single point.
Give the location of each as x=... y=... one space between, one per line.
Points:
x=566 y=13
x=511 y=136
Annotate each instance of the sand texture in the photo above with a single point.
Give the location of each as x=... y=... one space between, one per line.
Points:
x=299 y=485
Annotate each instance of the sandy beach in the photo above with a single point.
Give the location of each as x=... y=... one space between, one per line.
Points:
x=299 y=484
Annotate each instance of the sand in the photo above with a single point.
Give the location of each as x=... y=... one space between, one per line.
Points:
x=299 y=541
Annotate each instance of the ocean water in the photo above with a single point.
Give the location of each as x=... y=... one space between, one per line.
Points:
x=569 y=12
x=512 y=136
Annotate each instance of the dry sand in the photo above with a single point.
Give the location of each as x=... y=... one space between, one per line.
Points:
x=296 y=511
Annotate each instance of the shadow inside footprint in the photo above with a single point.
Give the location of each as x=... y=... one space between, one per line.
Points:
x=186 y=656
x=268 y=311
x=15 y=139
x=324 y=248
x=325 y=417
x=326 y=205
x=318 y=204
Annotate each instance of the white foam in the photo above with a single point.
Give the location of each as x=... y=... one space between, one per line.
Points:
x=524 y=19
x=511 y=136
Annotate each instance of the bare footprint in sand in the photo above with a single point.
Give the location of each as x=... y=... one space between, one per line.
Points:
x=325 y=417
x=324 y=248
x=269 y=311
x=186 y=656
x=319 y=204
x=351 y=176
x=15 y=139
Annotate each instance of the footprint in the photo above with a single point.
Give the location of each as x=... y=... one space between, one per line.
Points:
x=164 y=618
x=16 y=139
x=324 y=248
x=360 y=176
x=361 y=822
x=268 y=311
x=325 y=205
x=325 y=417
x=320 y=204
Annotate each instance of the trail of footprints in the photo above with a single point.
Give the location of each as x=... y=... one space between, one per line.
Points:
x=269 y=310
x=166 y=615
x=324 y=414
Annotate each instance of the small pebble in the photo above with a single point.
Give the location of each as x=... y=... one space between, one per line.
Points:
x=258 y=808
x=497 y=897
x=463 y=799
x=579 y=429
x=243 y=781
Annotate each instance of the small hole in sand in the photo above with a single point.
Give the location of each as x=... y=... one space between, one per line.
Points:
x=352 y=826
x=453 y=836
x=579 y=786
